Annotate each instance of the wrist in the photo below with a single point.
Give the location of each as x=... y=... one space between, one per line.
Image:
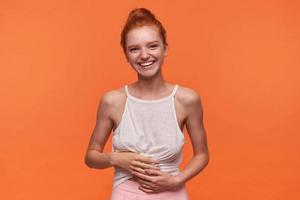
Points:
x=112 y=159
x=179 y=179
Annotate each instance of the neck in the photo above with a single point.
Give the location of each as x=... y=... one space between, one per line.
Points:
x=151 y=85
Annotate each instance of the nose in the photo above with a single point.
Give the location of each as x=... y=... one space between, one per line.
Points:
x=144 y=54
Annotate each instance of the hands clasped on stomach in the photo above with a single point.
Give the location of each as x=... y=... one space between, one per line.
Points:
x=146 y=171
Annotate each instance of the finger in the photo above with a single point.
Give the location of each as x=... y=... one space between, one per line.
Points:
x=146 y=190
x=144 y=182
x=142 y=176
x=137 y=169
x=146 y=186
x=144 y=165
x=146 y=159
x=154 y=172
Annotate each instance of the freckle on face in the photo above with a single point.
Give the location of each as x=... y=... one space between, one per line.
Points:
x=143 y=35
x=139 y=49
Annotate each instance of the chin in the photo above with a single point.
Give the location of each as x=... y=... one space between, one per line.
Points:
x=149 y=74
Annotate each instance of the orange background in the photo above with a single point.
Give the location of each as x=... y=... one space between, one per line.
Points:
x=58 y=57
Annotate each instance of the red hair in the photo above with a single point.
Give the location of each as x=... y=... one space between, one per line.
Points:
x=141 y=17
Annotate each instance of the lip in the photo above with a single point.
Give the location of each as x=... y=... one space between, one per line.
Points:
x=147 y=66
x=147 y=62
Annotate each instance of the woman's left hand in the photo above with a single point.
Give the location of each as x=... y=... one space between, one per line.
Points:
x=155 y=181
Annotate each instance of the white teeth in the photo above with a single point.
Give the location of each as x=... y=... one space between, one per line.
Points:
x=146 y=64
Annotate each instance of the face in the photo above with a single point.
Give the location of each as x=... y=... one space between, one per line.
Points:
x=145 y=50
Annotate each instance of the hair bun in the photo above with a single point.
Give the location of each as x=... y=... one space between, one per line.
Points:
x=141 y=13
x=139 y=17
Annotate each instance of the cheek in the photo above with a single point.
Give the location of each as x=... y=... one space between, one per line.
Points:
x=159 y=53
x=130 y=58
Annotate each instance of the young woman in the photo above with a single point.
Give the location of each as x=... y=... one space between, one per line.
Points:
x=147 y=119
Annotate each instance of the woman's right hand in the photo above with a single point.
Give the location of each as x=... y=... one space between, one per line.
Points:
x=133 y=162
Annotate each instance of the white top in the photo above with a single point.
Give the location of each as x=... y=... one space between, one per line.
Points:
x=149 y=127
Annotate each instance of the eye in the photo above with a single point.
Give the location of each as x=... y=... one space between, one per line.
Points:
x=133 y=49
x=153 y=46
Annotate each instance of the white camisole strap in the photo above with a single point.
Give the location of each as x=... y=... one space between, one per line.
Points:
x=126 y=91
x=174 y=90
x=172 y=94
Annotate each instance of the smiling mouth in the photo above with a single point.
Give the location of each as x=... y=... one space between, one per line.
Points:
x=147 y=64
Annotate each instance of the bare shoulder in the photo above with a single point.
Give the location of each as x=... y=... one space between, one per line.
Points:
x=190 y=103
x=188 y=97
x=112 y=100
x=113 y=96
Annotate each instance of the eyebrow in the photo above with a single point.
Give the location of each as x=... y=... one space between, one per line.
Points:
x=134 y=45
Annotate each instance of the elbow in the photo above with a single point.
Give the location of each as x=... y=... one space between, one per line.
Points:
x=203 y=158
x=87 y=161
x=94 y=159
x=207 y=159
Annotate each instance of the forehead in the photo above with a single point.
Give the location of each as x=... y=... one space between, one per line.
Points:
x=142 y=35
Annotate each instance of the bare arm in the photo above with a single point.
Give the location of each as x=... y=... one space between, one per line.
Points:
x=94 y=157
x=196 y=130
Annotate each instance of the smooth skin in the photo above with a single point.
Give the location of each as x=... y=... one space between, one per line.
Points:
x=143 y=47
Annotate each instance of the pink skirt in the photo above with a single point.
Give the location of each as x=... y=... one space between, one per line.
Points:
x=129 y=190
